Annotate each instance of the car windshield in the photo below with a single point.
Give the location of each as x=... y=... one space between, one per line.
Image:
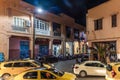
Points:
x=36 y=62
x=57 y=72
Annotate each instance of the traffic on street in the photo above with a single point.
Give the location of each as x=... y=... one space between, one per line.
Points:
x=68 y=65
x=29 y=69
x=59 y=40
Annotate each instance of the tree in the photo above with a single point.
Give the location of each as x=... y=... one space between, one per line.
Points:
x=101 y=50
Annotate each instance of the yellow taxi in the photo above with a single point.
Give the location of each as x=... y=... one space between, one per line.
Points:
x=15 y=67
x=43 y=74
x=113 y=71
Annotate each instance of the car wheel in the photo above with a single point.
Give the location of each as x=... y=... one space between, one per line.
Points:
x=83 y=73
x=5 y=76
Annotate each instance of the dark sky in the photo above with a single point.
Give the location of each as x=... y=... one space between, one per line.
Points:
x=74 y=8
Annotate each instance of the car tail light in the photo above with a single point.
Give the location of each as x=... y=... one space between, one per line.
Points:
x=113 y=73
x=76 y=67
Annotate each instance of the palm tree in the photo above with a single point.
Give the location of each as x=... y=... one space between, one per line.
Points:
x=101 y=50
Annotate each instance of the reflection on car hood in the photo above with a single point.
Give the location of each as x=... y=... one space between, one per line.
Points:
x=47 y=65
x=69 y=76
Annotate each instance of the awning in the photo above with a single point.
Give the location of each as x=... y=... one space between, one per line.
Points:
x=42 y=41
x=56 y=41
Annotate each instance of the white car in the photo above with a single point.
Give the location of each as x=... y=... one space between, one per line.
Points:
x=93 y=68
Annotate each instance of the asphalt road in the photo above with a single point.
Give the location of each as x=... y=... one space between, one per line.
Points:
x=67 y=67
x=92 y=78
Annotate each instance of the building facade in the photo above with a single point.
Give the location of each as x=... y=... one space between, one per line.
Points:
x=25 y=33
x=103 y=26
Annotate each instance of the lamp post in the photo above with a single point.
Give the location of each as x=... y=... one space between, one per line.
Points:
x=38 y=10
x=33 y=36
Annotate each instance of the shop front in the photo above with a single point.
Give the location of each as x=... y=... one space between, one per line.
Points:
x=69 y=48
x=76 y=41
x=107 y=49
x=19 y=47
x=76 y=47
x=41 y=47
x=56 y=47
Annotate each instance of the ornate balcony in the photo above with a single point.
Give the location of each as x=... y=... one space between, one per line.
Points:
x=42 y=32
x=20 y=29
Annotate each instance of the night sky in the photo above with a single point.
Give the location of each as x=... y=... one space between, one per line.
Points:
x=74 y=8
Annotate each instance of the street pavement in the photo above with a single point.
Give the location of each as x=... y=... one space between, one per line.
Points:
x=66 y=66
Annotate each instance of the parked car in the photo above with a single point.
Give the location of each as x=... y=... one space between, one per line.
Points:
x=47 y=58
x=93 y=68
x=43 y=74
x=15 y=67
x=61 y=57
x=113 y=71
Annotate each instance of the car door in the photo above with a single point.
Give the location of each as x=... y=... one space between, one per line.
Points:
x=18 y=67
x=31 y=75
x=100 y=69
x=7 y=68
x=89 y=68
x=21 y=66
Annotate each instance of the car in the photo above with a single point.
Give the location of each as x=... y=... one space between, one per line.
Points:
x=86 y=68
x=47 y=58
x=43 y=74
x=9 y=68
x=113 y=71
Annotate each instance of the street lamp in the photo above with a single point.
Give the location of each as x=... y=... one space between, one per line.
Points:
x=39 y=10
x=36 y=11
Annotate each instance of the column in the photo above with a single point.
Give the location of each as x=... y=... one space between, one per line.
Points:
x=31 y=48
x=73 y=47
x=7 y=47
x=63 y=47
x=79 y=47
x=50 y=46
x=51 y=28
x=91 y=54
x=63 y=42
x=31 y=38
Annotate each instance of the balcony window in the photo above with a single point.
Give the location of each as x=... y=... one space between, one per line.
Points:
x=68 y=32
x=20 y=24
x=35 y=23
x=41 y=27
x=40 y=24
x=56 y=29
x=98 y=24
